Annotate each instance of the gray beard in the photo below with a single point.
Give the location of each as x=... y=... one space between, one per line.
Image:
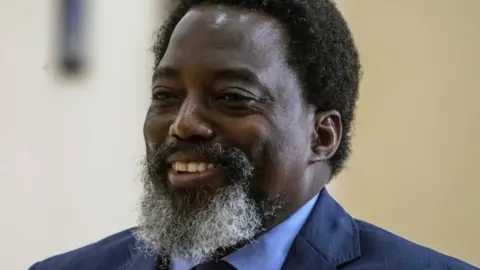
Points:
x=230 y=217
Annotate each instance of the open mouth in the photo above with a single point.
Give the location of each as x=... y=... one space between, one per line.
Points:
x=192 y=167
x=188 y=174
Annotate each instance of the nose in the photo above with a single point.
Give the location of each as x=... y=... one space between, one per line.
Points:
x=189 y=123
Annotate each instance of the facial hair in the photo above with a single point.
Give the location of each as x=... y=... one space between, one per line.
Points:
x=195 y=225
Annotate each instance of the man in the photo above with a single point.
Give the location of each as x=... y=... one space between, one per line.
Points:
x=252 y=105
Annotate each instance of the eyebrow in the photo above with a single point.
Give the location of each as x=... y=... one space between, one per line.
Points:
x=239 y=74
x=165 y=72
x=244 y=75
x=232 y=73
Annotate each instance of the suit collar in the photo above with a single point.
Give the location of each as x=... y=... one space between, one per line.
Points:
x=329 y=238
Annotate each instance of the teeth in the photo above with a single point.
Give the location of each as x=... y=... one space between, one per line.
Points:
x=192 y=167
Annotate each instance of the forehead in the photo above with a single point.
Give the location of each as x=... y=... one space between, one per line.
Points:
x=218 y=36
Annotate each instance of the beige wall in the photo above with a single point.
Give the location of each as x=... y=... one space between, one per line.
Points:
x=415 y=167
x=69 y=149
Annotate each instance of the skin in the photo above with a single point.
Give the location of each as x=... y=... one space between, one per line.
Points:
x=224 y=78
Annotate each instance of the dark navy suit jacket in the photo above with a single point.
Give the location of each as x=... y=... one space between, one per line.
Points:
x=330 y=239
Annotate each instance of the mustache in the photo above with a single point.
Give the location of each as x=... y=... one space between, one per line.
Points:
x=238 y=162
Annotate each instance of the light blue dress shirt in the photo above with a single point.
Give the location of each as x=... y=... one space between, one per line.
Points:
x=270 y=250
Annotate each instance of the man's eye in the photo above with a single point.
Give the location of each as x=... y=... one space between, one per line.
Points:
x=162 y=95
x=232 y=97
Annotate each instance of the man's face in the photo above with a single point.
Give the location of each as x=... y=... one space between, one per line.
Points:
x=228 y=134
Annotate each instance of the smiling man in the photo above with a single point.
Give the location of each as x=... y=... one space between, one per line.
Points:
x=252 y=105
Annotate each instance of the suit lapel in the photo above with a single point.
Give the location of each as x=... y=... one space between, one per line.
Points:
x=303 y=256
x=328 y=239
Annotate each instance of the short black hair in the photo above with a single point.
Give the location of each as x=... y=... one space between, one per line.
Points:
x=321 y=50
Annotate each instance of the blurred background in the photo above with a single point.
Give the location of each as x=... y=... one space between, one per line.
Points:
x=75 y=88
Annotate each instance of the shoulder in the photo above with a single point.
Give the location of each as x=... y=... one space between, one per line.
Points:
x=111 y=252
x=385 y=250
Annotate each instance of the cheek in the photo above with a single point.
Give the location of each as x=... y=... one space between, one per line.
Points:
x=274 y=163
x=155 y=129
x=269 y=151
x=247 y=134
x=285 y=158
x=283 y=169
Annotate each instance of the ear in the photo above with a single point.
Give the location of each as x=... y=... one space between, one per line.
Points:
x=326 y=135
